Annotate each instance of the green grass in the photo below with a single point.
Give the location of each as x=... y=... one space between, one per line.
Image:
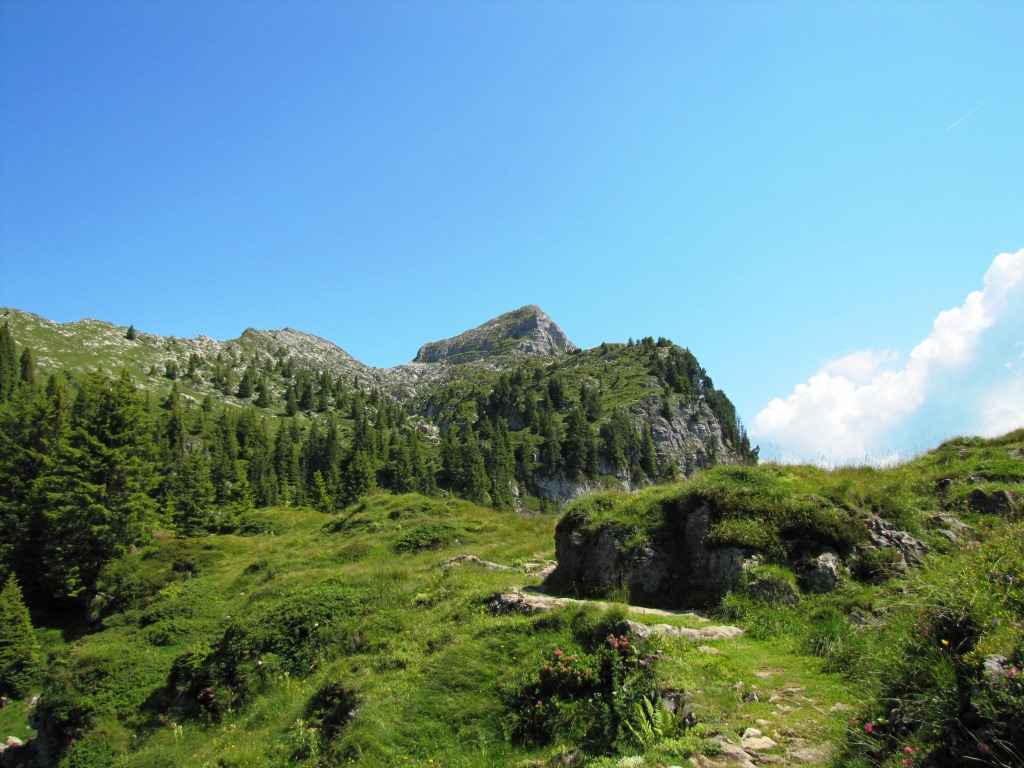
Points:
x=341 y=639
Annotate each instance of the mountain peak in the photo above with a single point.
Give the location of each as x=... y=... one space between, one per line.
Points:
x=527 y=331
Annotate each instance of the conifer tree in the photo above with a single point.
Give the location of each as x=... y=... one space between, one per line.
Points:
x=579 y=448
x=501 y=466
x=193 y=493
x=247 y=385
x=473 y=480
x=358 y=478
x=97 y=490
x=27 y=367
x=648 y=457
x=33 y=429
x=8 y=363
x=20 y=655
x=322 y=500
x=262 y=393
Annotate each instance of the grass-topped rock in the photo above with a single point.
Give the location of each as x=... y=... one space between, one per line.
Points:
x=688 y=544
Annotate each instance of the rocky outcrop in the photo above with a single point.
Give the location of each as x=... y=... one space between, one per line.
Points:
x=679 y=569
x=884 y=534
x=1000 y=502
x=524 y=332
x=531 y=602
x=677 y=564
x=687 y=434
x=562 y=488
x=822 y=572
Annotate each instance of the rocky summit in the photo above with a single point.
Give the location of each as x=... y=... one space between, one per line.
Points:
x=524 y=332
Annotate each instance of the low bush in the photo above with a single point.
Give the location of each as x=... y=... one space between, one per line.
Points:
x=428 y=536
x=601 y=697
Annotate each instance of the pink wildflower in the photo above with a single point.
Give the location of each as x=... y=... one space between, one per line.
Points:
x=868 y=728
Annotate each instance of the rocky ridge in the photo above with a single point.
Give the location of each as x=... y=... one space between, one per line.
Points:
x=685 y=431
x=522 y=333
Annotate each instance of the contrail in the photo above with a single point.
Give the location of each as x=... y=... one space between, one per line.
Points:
x=957 y=122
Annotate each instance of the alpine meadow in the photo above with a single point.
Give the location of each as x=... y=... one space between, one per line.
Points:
x=507 y=552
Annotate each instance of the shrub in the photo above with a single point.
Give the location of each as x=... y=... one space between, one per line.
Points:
x=289 y=635
x=427 y=536
x=593 y=698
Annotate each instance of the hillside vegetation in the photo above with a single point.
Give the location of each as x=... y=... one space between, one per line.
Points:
x=193 y=583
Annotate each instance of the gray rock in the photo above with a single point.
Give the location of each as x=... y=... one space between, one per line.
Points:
x=595 y=562
x=474 y=560
x=511 y=602
x=992 y=502
x=952 y=528
x=755 y=741
x=643 y=631
x=822 y=574
x=524 y=332
x=773 y=591
x=994 y=666
x=885 y=534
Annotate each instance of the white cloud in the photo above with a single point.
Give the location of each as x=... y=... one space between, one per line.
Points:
x=966 y=377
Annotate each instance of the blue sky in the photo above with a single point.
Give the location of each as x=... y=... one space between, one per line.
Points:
x=794 y=190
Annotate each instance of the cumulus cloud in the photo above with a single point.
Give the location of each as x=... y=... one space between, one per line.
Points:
x=966 y=377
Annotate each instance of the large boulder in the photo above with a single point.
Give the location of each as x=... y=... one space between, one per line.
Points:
x=679 y=569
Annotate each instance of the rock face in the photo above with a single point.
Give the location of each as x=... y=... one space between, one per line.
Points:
x=677 y=564
x=679 y=570
x=690 y=435
x=524 y=332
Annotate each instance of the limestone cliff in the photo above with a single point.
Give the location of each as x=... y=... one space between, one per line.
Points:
x=524 y=332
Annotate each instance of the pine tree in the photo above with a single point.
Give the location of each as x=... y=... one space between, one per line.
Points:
x=248 y=383
x=8 y=364
x=33 y=429
x=27 y=367
x=97 y=491
x=20 y=655
x=579 y=448
x=501 y=466
x=262 y=393
x=648 y=456
x=193 y=494
x=358 y=478
x=473 y=480
x=322 y=500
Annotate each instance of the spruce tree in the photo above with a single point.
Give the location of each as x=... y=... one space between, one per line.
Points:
x=193 y=494
x=501 y=466
x=358 y=478
x=27 y=367
x=20 y=656
x=8 y=364
x=96 y=492
x=322 y=500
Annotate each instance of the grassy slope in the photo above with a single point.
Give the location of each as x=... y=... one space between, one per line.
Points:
x=422 y=659
x=913 y=646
